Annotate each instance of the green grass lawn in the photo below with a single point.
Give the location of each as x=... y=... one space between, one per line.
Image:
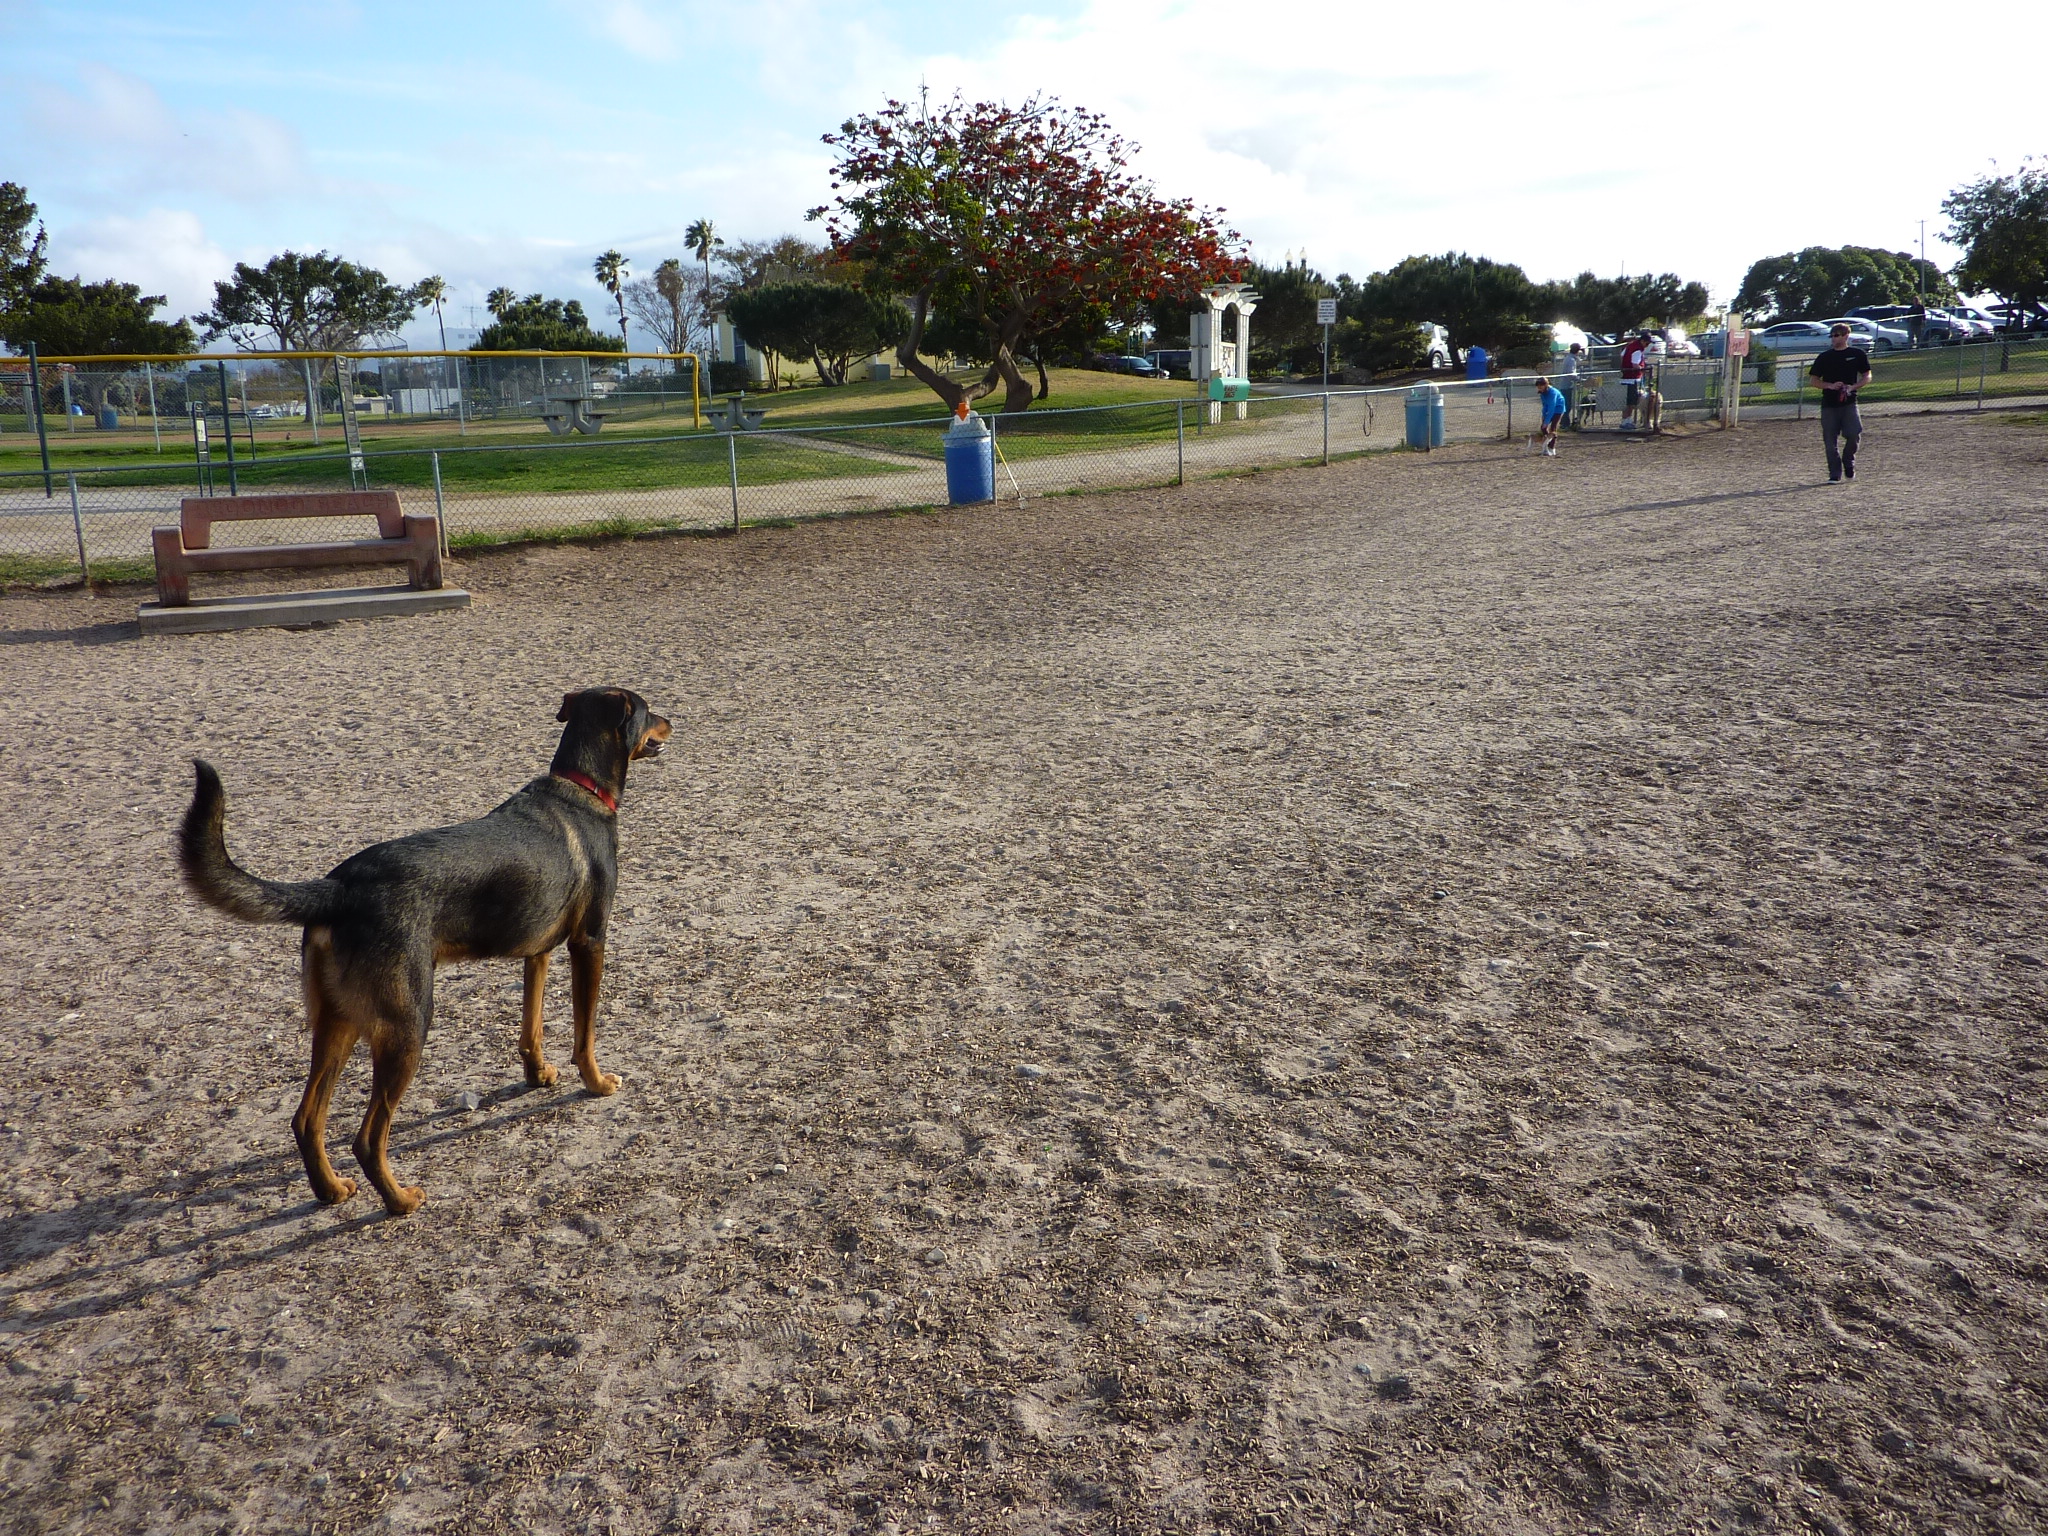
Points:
x=1935 y=374
x=898 y=400
x=647 y=451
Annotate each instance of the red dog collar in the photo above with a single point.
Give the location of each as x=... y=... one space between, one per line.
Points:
x=584 y=781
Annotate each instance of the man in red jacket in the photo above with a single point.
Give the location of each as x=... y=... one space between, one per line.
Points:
x=1635 y=361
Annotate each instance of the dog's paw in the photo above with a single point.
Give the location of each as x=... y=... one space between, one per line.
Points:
x=603 y=1084
x=344 y=1190
x=405 y=1200
x=542 y=1076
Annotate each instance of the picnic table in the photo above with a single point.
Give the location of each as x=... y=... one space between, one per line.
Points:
x=571 y=412
x=733 y=414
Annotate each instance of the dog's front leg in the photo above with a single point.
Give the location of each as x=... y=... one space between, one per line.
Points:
x=586 y=972
x=539 y=1073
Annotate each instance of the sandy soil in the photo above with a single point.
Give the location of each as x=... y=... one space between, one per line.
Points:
x=1474 y=994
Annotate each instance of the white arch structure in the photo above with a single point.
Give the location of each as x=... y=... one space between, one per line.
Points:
x=1212 y=351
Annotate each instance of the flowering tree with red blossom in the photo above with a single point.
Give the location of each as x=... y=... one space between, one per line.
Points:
x=1016 y=220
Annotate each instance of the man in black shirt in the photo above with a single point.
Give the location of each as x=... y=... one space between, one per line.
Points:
x=1840 y=372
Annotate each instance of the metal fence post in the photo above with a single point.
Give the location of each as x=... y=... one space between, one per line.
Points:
x=312 y=400
x=440 y=514
x=149 y=377
x=1983 y=357
x=1510 y=392
x=227 y=423
x=1326 y=423
x=35 y=394
x=732 y=447
x=78 y=528
x=1180 y=442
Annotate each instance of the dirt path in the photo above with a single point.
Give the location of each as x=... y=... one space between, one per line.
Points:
x=1475 y=994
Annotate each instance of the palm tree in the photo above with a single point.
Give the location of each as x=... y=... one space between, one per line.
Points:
x=498 y=300
x=700 y=240
x=434 y=291
x=673 y=287
x=611 y=272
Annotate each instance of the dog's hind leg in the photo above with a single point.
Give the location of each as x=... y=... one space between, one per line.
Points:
x=395 y=1055
x=334 y=1041
x=532 y=1051
x=586 y=974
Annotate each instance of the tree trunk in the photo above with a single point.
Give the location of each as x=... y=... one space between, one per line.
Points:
x=1044 y=384
x=953 y=393
x=1018 y=392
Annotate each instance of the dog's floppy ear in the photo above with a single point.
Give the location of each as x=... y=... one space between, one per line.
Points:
x=609 y=700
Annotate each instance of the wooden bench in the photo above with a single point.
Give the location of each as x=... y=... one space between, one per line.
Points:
x=410 y=539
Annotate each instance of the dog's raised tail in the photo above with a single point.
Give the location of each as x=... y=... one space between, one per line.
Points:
x=222 y=883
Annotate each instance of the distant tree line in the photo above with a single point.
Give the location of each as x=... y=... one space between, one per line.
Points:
x=1821 y=282
x=1008 y=238
x=1478 y=301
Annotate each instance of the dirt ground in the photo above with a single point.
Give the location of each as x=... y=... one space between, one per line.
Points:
x=1468 y=994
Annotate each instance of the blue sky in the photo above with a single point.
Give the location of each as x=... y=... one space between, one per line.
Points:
x=510 y=143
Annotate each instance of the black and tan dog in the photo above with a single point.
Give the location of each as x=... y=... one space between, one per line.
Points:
x=538 y=871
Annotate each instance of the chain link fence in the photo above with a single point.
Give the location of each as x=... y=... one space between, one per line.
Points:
x=1969 y=375
x=296 y=399
x=496 y=488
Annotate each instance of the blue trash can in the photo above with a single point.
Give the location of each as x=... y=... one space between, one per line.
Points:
x=970 y=461
x=110 y=420
x=1476 y=362
x=1425 y=417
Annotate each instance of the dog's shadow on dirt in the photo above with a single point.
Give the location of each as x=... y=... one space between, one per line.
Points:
x=36 y=1235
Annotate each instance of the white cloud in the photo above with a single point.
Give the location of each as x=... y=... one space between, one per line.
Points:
x=117 y=136
x=164 y=250
x=1364 y=133
x=642 y=33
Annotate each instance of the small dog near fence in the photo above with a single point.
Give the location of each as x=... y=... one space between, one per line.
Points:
x=1652 y=413
x=538 y=871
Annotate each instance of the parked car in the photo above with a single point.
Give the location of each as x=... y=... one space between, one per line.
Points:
x=1934 y=326
x=1678 y=344
x=1564 y=336
x=2016 y=319
x=1942 y=328
x=1436 y=344
x=1144 y=367
x=1793 y=337
x=1871 y=336
x=1982 y=324
x=1173 y=362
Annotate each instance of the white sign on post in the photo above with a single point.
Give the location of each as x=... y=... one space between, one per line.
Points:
x=1326 y=311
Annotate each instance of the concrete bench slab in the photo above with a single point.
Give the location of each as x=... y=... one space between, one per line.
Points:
x=264 y=610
